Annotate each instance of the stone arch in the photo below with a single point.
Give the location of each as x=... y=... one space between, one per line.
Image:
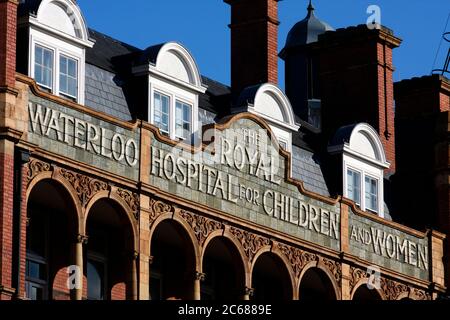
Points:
x=123 y=206
x=54 y=213
x=272 y=249
x=406 y=296
x=226 y=234
x=48 y=175
x=361 y=283
x=317 y=265
x=186 y=228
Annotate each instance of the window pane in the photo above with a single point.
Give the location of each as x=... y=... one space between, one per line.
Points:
x=72 y=70
x=34 y=292
x=161 y=112
x=35 y=270
x=371 y=193
x=72 y=87
x=183 y=120
x=95 y=279
x=354 y=186
x=68 y=76
x=38 y=55
x=62 y=83
x=38 y=74
x=48 y=59
x=63 y=65
x=43 y=66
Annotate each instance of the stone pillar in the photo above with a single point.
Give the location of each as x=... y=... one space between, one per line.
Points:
x=436 y=248
x=134 y=276
x=144 y=259
x=248 y=293
x=81 y=240
x=199 y=277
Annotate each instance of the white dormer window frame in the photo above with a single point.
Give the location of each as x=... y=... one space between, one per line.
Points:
x=59 y=26
x=175 y=74
x=175 y=95
x=58 y=52
x=364 y=154
x=365 y=170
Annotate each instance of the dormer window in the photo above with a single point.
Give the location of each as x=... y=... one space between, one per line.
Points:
x=58 y=39
x=174 y=85
x=270 y=103
x=364 y=162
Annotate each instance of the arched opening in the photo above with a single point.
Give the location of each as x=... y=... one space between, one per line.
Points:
x=316 y=286
x=51 y=233
x=363 y=293
x=270 y=279
x=172 y=269
x=110 y=252
x=224 y=271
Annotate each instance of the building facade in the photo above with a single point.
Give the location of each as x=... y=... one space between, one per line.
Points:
x=126 y=174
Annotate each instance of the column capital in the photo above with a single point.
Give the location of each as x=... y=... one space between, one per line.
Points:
x=249 y=291
x=200 y=276
x=83 y=239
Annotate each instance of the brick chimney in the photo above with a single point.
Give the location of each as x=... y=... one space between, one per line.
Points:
x=356 y=81
x=254 y=43
x=8 y=29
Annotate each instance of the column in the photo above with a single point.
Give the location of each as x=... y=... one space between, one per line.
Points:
x=199 y=277
x=134 y=277
x=78 y=291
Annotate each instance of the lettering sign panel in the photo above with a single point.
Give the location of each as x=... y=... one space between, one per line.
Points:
x=84 y=138
x=243 y=174
x=388 y=247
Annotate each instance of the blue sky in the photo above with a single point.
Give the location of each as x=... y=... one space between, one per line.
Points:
x=201 y=26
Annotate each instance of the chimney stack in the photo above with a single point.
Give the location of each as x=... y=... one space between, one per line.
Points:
x=254 y=43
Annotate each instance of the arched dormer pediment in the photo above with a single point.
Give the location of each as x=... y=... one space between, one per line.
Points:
x=360 y=140
x=171 y=61
x=63 y=18
x=270 y=103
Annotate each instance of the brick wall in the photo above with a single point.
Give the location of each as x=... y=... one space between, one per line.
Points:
x=423 y=154
x=8 y=28
x=6 y=214
x=356 y=81
x=254 y=42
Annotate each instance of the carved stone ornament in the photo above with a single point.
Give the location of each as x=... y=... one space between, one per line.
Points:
x=297 y=257
x=356 y=274
x=334 y=267
x=200 y=276
x=131 y=199
x=419 y=294
x=36 y=167
x=82 y=239
x=201 y=226
x=251 y=242
x=392 y=289
x=158 y=208
x=84 y=186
